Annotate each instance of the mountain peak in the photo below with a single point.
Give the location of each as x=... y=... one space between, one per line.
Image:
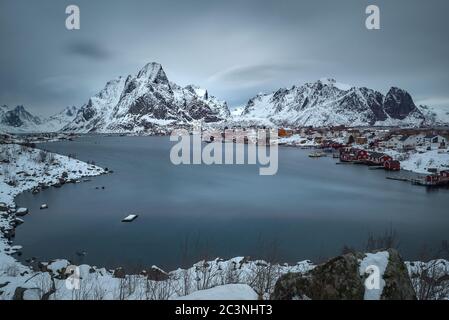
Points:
x=153 y=72
x=332 y=82
x=20 y=108
x=200 y=92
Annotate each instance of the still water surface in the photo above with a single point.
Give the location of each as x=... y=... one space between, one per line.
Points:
x=308 y=210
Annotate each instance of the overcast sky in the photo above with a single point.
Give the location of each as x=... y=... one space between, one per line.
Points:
x=235 y=49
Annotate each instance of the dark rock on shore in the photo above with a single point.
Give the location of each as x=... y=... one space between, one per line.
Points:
x=340 y=279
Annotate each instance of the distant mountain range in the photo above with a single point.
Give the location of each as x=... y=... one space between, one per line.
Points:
x=329 y=103
x=19 y=120
x=149 y=103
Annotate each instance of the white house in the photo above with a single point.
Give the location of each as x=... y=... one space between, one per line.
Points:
x=434 y=141
x=412 y=141
x=393 y=143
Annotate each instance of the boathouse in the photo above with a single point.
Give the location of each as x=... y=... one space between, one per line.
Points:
x=392 y=165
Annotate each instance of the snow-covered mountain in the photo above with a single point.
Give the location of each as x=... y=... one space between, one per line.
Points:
x=435 y=116
x=59 y=120
x=149 y=103
x=329 y=103
x=146 y=102
x=19 y=120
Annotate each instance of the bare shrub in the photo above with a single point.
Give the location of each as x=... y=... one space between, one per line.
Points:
x=12 y=180
x=264 y=273
x=127 y=287
x=347 y=249
x=41 y=156
x=263 y=278
x=388 y=240
x=431 y=279
x=11 y=270
x=45 y=285
x=186 y=282
x=6 y=155
x=51 y=157
x=159 y=290
x=205 y=274
x=231 y=274
x=90 y=288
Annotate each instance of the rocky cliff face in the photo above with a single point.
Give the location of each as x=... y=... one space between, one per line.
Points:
x=398 y=104
x=145 y=103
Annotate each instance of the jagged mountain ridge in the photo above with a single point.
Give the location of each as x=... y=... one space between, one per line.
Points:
x=149 y=103
x=328 y=103
x=146 y=102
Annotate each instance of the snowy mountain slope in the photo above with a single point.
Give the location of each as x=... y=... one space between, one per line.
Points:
x=19 y=120
x=57 y=121
x=438 y=116
x=328 y=103
x=145 y=103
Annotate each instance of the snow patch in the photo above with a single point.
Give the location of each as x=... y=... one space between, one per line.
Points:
x=379 y=260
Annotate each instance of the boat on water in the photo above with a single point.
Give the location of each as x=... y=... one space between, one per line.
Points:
x=317 y=154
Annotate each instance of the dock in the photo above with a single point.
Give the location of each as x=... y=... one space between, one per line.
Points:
x=399 y=179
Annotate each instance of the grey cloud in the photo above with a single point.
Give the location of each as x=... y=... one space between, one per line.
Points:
x=87 y=49
x=233 y=48
x=259 y=74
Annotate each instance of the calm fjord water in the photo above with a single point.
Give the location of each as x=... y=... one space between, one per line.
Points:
x=308 y=210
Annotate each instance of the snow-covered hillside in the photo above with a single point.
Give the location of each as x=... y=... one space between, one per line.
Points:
x=329 y=103
x=146 y=102
x=436 y=116
x=422 y=162
x=20 y=120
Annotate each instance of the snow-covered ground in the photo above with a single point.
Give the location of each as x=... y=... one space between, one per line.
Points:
x=380 y=260
x=23 y=168
x=421 y=162
x=297 y=140
x=225 y=292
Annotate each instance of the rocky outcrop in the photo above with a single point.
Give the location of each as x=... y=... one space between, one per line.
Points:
x=398 y=104
x=340 y=279
x=398 y=285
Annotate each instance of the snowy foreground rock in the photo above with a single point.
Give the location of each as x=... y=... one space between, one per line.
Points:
x=344 y=278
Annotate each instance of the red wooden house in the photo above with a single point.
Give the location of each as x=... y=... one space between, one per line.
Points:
x=378 y=158
x=361 y=155
x=392 y=165
x=347 y=154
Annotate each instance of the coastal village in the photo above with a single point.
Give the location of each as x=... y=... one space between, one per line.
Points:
x=422 y=153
